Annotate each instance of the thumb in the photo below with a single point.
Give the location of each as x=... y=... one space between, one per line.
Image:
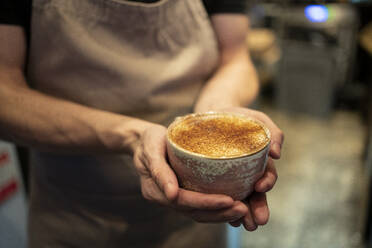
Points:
x=277 y=139
x=277 y=136
x=155 y=150
x=164 y=178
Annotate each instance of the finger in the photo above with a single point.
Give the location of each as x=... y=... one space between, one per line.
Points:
x=165 y=179
x=276 y=144
x=248 y=221
x=237 y=211
x=150 y=191
x=259 y=209
x=275 y=150
x=160 y=171
x=277 y=136
x=236 y=223
x=190 y=200
x=268 y=180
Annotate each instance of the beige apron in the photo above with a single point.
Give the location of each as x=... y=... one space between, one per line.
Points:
x=142 y=60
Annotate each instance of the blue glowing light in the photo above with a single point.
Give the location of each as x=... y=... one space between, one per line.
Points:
x=316 y=13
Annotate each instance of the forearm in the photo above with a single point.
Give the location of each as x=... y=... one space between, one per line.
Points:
x=30 y=118
x=234 y=84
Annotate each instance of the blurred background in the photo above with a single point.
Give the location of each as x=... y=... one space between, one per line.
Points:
x=314 y=61
x=314 y=64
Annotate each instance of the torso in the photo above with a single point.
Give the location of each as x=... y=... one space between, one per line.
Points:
x=123 y=57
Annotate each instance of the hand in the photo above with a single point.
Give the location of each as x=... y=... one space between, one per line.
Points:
x=277 y=136
x=159 y=184
x=258 y=211
x=256 y=203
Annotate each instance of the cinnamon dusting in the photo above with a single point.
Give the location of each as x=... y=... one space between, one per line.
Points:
x=219 y=135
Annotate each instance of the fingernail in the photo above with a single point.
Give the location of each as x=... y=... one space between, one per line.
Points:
x=250 y=228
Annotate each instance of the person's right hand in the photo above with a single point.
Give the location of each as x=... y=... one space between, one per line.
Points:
x=159 y=184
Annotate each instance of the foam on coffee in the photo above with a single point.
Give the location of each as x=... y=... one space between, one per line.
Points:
x=219 y=135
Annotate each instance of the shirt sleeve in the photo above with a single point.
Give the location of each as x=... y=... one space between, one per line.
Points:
x=15 y=12
x=226 y=6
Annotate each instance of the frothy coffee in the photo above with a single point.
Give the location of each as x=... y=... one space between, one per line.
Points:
x=219 y=135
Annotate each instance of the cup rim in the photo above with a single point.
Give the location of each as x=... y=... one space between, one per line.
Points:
x=181 y=118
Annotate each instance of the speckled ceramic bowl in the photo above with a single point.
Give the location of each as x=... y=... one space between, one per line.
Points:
x=233 y=176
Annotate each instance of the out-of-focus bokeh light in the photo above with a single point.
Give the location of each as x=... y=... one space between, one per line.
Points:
x=316 y=13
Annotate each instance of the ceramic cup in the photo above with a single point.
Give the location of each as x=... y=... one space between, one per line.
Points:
x=233 y=176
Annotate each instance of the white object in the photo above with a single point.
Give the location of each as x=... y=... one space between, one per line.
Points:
x=13 y=207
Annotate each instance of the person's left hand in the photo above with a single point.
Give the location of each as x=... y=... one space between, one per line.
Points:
x=258 y=210
x=258 y=213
